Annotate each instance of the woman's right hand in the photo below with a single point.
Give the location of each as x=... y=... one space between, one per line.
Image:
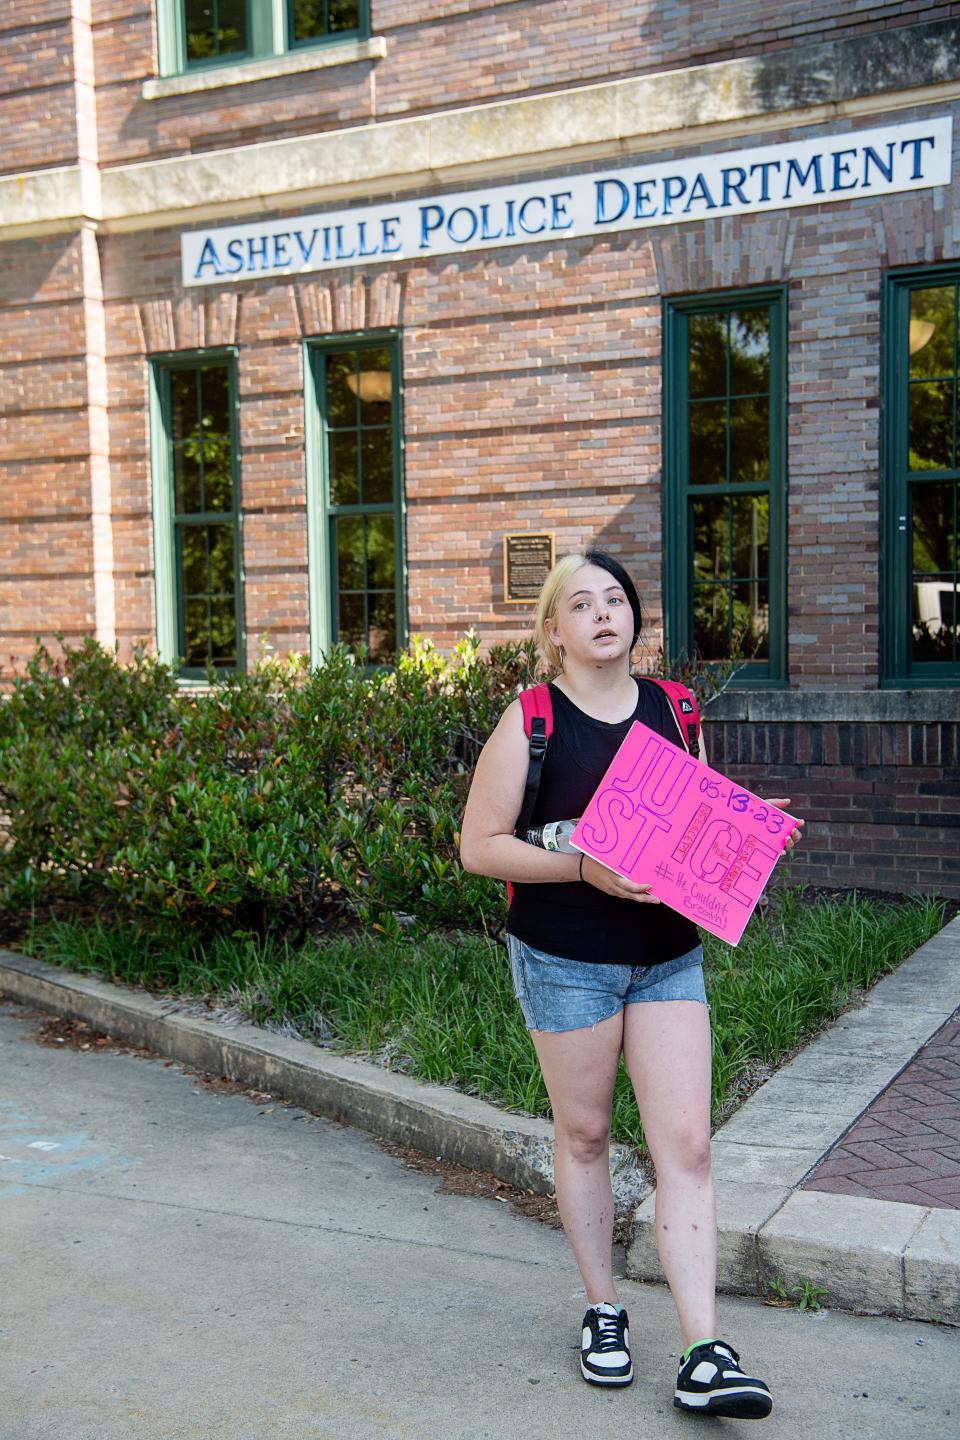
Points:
x=612 y=884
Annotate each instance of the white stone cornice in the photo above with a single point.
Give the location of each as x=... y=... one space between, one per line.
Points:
x=684 y=108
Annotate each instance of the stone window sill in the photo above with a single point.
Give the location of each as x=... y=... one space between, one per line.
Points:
x=245 y=72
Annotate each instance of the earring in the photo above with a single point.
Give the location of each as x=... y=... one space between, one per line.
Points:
x=562 y=653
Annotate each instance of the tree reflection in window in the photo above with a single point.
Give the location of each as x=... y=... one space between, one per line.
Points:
x=932 y=343
x=311 y=20
x=729 y=447
x=358 y=399
x=204 y=518
x=214 y=29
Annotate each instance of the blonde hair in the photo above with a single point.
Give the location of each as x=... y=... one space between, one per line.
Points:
x=549 y=600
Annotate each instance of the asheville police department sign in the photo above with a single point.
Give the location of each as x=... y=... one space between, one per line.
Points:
x=742 y=182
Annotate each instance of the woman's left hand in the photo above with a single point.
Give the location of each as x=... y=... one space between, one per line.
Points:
x=794 y=835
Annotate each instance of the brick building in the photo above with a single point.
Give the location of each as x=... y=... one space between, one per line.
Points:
x=306 y=306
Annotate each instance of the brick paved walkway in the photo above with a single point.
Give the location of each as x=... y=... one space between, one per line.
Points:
x=906 y=1146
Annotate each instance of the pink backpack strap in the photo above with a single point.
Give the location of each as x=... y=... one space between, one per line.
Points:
x=537 y=707
x=537 y=704
x=683 y=707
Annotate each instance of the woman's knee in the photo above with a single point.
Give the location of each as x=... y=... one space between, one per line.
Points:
x=686 y=1154
x=584 y=1140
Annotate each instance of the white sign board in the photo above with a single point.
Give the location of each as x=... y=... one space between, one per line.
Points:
x=856 y=165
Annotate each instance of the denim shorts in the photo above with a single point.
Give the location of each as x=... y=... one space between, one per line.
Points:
x=557 y=994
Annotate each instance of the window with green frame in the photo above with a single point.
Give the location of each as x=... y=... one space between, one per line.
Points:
x=356 y=385
x=309 y=21
x=196 y=33
x=725 y=477
x=198 y=556
x=921 y=584
x=215 y=30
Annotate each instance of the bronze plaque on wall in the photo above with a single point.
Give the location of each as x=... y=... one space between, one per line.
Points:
x=527 y=561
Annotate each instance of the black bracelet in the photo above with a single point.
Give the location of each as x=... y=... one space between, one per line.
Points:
x=582 y=858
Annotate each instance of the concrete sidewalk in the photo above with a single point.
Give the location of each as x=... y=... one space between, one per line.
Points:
x=187 y=1264
x=869 y=1255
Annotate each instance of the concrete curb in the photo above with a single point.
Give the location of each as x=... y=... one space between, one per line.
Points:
x=433 y=1119
x=870 y=1255
x=873 y=1256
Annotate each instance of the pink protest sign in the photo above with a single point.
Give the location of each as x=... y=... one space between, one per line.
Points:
x=705 y=846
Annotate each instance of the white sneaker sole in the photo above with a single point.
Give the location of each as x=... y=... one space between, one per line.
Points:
x=606 y=1380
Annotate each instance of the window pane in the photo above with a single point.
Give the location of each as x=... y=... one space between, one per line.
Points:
x=726 y=612
x=750 y=515
x=936 y=615
x=931 y=333
x=935 y=618
x=344 y=489
x=222 y=574
x=707 y=365
x=193 y=559
x=208 y=593
x=751 y=619
x=934 y=535
x=708 y=442
x=183 y=403
x=381 y=569
x=931 y=425
x=750 y=441
x=215 y=27
x=377 y=467
x=749 y=352
x=200 y=20
x=375 y=387
x=198 y=420
x=195 y=618
x=223 y=633
x=341 y=396
x=215 y=400
x=358 y=402
x=352 y=625
x=217 y=473
x=186 y=479
x=711 y=621
x=383 y=629
x=934 y=548
x=344 y=15
x=349 y=543
x=200 y=429
x=232 y=22
x=711 y=538
x=306 y=20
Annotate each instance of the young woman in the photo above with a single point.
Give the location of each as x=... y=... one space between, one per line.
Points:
x=602 y=969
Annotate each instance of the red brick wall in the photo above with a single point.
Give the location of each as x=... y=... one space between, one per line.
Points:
x=447 y=53
x=533 y=400
x=37 y=104
x=881 y=801
x=45 y=533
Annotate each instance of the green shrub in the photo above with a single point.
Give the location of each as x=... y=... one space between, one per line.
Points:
x=273 y=802
x=276 y=800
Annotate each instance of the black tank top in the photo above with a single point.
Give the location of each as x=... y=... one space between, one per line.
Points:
x=574 y=920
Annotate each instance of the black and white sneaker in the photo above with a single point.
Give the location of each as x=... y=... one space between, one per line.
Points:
x=712 y=1382
x=605 y=1346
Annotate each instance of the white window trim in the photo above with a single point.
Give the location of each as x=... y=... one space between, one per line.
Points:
x=245 y=72
x=269 y=35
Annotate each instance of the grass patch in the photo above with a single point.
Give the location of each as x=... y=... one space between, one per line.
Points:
x=442 y=1008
